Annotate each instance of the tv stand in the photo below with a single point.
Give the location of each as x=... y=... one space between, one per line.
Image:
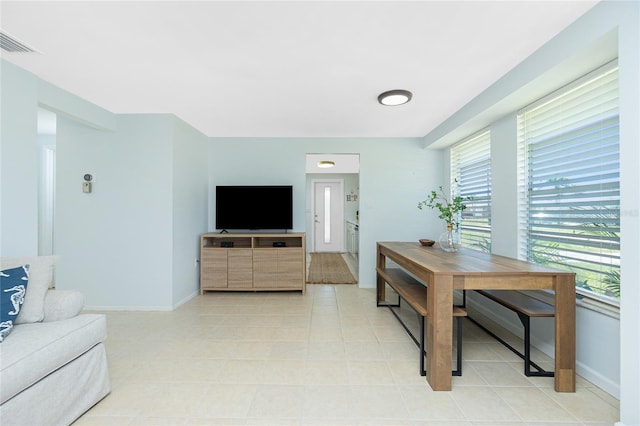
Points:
x=253 y=262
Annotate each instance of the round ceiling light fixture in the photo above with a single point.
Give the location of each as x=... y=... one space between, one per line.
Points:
x=395 y=97
x=326 y=164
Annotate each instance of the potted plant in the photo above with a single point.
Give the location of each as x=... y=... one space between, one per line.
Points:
x=450 y=211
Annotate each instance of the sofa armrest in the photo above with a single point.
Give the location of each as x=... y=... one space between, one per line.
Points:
x=62 y=304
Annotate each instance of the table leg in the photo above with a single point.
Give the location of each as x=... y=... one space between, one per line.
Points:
x=565 y=334
x=439 y=332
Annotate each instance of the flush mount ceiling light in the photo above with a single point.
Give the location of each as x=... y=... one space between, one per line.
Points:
x=326 y=164
x=395 y=97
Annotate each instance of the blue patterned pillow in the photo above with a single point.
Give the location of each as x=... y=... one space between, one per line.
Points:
x=13 y=287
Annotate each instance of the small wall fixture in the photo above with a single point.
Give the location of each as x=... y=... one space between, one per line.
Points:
x=395 y=97
x=326 y=164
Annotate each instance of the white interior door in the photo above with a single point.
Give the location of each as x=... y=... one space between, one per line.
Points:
x=328 y=215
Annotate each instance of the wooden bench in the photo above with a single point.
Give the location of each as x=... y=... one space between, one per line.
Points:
x=526 y=307
x=414 y=293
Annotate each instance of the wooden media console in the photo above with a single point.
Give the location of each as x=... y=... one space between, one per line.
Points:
x=252 y=262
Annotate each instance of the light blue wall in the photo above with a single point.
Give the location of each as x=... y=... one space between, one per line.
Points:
x=18 y=162
x=395 y=174
x=629 y=62
x=115 y=244
x=190 y=208
x=504 y=176
x=132 y=242
x=608 y=349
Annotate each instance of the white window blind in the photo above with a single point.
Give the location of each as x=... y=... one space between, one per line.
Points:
x=570 y=182
x=471 y=177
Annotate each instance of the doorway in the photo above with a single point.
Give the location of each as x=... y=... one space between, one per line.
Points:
x=332 y=216
x=47 y=181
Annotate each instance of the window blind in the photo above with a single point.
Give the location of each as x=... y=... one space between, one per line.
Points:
x=570 y=181
x=471 y=177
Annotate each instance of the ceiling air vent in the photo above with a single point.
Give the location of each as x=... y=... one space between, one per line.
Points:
x=11 y=45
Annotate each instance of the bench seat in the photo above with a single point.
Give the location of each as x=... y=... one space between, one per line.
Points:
x=414 y=293
x=526 y=307
x=520 y=302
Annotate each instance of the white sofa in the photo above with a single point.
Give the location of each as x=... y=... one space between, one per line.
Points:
x=53 y=364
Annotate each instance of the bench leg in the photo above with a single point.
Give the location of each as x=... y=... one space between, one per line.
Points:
x=420 y=342
x=464 y=300
x=381 y=303
x=541 y=371
x=526 y=322
x=527 y=343
x=423 y=371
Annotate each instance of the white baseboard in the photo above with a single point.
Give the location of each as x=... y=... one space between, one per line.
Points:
x=128 y=308
x=143 y=308
x=599 y=380
x=186 y=299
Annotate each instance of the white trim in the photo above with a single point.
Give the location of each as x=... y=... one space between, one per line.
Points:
x=144 y=308
x=129 y=308
x=186 y=299
x=601 y=307
x=47 y=200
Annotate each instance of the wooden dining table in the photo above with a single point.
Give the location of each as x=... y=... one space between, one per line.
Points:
x=443 y=272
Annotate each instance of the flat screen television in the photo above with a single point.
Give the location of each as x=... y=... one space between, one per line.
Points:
x=254 y=207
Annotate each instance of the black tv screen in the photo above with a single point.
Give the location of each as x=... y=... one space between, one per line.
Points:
x=254 y=207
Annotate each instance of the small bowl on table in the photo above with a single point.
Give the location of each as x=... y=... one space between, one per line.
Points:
x=426 y=242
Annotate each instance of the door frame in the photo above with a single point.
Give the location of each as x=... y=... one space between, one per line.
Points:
x=47 y=200
x=341 y=225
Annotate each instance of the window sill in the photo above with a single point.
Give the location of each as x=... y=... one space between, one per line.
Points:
x=604 y=307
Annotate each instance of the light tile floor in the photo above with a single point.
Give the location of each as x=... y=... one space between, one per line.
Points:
x=329 y=357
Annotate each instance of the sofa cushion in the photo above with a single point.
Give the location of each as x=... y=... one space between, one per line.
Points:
x=35 y=350
x=13 y=287
x=40 y=280
x=62 y=304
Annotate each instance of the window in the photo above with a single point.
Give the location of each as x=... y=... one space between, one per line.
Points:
x=569 y=182
x=471 y=177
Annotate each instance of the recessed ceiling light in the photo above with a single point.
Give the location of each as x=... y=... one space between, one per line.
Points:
x=395 y=97
x=326 y=164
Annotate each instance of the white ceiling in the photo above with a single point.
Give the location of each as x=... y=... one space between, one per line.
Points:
x=282 y=69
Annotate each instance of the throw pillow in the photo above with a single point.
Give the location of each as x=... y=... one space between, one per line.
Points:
x=13 y=287
x=40 y=280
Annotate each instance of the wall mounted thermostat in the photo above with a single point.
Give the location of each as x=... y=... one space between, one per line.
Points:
x=86 y=185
